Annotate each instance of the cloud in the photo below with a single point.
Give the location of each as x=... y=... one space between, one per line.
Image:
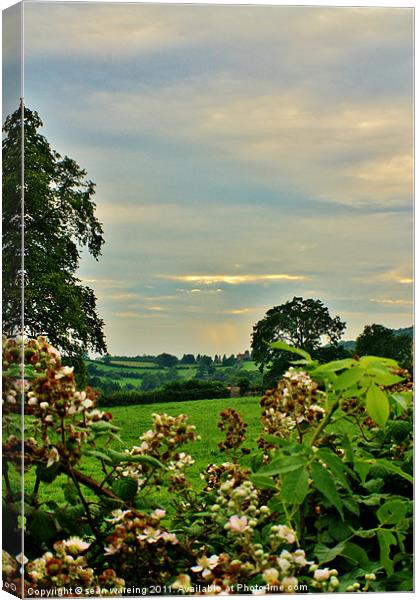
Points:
x=388 y=301
x=234 y=279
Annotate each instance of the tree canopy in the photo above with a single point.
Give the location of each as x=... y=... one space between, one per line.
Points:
x=378 y=340
x=303 y=323
x=59 y=221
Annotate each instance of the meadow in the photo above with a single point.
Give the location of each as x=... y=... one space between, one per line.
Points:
x=135 y=420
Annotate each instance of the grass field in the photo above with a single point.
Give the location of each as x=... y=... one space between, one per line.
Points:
x=204 y=414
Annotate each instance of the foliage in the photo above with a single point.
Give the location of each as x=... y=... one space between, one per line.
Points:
x=379 y=340
x=300 y=323
x=59 y=221
x=193 y=389
x=325 y=506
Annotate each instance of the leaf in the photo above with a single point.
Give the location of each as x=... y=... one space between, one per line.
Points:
x=377 y=405
x=349 y=378
x=283 y=464
x=333 y=366
x=357 y=555
x=392 y=511
x=295 y=487
x=125 y=488
x=42 y=526
x=70 y=493
x=362 y=468
x=98 y=454
x=386 y=539
x=325 y=554
x=263 y=482
x=325 y=484
x=384 y=377
x=389 y=466
x=283 y=346
x=335 y=464
x=122 y=457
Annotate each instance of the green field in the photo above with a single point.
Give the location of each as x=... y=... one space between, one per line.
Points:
x=204 y=414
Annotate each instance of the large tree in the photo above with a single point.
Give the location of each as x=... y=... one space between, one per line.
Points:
x=59 y=219
x=303 y=323
x=378 y=340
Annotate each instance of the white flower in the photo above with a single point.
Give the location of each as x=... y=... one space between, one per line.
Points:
x=158 y=513
x=75 y=544
x=286 y=533
x=53 y=456
x=32 y=401
x=44 y=405
x=150 y=535
x=324 y=574
x=237 y=524
x=169 y=537
x=63 y=372
x=87 y=403
x=182 y=583
x=206 y=565
x=270 y=576
x=299 y=558
x=289 y=584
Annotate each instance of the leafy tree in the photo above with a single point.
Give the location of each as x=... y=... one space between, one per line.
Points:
x=166 y=360
x=382 y=341
x=301 y=323
x=188 y=359
x=59 y=221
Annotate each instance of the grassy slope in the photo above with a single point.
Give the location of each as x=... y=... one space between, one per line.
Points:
x=204 y=414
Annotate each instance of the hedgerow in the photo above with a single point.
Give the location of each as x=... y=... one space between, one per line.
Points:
x=325 y=506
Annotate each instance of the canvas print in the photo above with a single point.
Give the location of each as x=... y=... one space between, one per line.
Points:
x=207 y=299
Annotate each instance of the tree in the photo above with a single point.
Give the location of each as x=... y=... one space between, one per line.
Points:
x=187 y=359
x=166 y=360
x=381 y=341
x=59 y=221
x=301 y=323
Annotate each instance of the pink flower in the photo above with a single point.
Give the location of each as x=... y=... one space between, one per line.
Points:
x=237 y=524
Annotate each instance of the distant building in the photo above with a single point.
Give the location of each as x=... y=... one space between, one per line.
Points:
x=244 y=355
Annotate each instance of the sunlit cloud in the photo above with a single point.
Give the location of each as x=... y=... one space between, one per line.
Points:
x=388 y=301
x=124 y=296
x=240 y=311
x=235 y=279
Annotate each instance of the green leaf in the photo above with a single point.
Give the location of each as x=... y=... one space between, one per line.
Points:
x=386 y=539
x=357 y=555
x=377 y=405
x=384 y=377
x=325 y=484
x=70 y=493
x=325 y=554
x=263 y=482
x=349 y=378
x=122 y=457
x=333 y=366
x=335 y=464
x=392 y=511
x=98 y=454
x=295 y=487
x=42 y=526
x=389 y=466
x=283 y=464
x=283 y=346
x=125 y=488
x=362 y=468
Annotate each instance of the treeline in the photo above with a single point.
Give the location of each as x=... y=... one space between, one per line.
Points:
x=170 y=360
x=172 y=392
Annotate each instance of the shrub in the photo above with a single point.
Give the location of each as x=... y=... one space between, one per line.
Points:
x=325 y=505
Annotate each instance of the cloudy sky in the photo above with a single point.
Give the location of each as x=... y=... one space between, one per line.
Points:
x=242 y=155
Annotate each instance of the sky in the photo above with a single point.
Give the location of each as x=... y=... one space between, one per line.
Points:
x=242 y=155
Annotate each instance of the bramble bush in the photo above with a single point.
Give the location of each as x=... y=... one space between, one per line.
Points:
x=326 y=504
